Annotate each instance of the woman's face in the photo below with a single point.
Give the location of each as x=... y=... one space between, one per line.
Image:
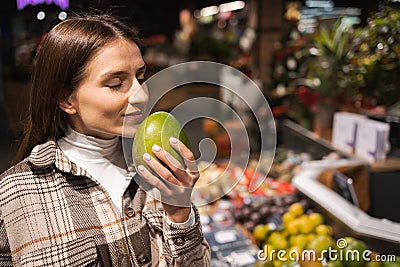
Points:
x=110 y=93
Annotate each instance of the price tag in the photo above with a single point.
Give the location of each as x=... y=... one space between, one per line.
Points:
x=242 y=258
x=225 y=236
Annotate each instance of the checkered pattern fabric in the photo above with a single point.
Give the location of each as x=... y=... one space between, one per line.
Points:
x=53 y=213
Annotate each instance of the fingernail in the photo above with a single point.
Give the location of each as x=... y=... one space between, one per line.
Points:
x=146 y=156
x=173 y=140
x=141 y=168
x=156 y=148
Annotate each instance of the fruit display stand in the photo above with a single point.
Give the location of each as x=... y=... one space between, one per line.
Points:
x=383 y=177
x=382 y=235
x=239 y=224
x=347 y=219
x=228 y=223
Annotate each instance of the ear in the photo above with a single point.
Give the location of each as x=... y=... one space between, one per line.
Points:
x=68 y=105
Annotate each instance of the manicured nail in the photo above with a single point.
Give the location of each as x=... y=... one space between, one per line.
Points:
x=156 y=148
x=141 y=168
x=146 y=156
x=173 y=140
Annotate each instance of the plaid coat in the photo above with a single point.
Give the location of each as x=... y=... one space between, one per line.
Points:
x=52 y=213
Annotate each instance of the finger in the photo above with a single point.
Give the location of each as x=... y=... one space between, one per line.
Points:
x=163 y=172
x=187 y=155
x=170 y=193
x=168 y=159
x=173 y=164
x=151 y=179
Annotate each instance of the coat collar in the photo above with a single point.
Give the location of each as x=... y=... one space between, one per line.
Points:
x=45 y=155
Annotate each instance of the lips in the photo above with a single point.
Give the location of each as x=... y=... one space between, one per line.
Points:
x=135 y=116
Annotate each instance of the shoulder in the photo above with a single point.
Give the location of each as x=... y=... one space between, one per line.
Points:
x=25 y=173
x=13 y=184
x=20 y=169
x=41 y=157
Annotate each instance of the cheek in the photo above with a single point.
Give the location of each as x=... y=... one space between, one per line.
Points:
x=99 y=109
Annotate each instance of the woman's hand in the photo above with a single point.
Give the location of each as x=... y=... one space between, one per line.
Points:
x=178 y=181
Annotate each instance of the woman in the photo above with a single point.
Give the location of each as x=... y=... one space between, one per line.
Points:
x=70 y=200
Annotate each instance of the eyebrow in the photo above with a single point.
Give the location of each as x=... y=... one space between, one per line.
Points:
x=111 y=74
x=142 y=69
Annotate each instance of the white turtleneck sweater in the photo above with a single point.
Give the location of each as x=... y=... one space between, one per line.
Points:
x=103 y=159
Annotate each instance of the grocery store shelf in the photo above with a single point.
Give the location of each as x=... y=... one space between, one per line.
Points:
x=298 y=138
x=359 y=222
x=388 y=165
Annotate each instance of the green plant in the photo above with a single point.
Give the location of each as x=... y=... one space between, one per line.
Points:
x=375 y=55
x=327 y=68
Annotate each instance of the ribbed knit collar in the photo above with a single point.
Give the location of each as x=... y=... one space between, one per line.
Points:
x=89 y=148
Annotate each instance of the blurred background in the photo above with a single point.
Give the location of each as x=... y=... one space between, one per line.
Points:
x=276 y=43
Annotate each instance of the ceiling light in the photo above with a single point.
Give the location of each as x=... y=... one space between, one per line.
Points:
x=209 y=11
x=62 y=15
x=41 y=15
x=236 y=5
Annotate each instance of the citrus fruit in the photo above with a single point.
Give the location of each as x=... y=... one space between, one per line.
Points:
x=285 y=233
x=292 y=240
x=320 y=243
x=297 y=209
x=157 y=129
x=260 y=232
x=278 y=241
x=292 y=227
x=316 y=218
x=324 y=229
x=300 y=241
x=311 y=236
x=287 y=217
x=306 y=226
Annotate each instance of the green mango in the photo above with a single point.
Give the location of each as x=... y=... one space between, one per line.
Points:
x=157 y=129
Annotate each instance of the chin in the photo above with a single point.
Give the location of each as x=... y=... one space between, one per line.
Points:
x=129 y=132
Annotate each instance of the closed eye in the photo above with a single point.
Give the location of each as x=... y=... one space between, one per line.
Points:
x=116 y=86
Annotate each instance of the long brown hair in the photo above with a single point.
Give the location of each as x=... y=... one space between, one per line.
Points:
x=60 y=67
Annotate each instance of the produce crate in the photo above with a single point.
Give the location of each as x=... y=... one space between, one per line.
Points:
x=347 y=218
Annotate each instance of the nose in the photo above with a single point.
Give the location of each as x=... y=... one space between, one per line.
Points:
x=138 y=94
